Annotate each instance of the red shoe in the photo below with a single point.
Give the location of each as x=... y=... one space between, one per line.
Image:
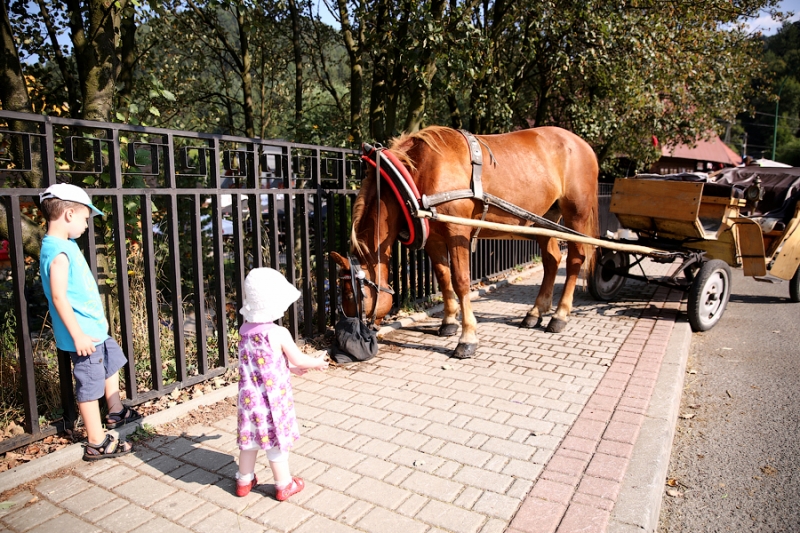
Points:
x=244 y=489
x=292 y=488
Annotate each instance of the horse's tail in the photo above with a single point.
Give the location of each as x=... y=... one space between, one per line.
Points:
x=592 y=230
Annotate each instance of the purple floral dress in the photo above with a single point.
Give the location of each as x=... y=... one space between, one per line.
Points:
x=266 y=407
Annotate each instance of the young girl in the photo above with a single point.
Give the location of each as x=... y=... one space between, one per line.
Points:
x=266 y=409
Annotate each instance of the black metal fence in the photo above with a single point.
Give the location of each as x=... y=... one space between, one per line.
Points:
x=188 y=215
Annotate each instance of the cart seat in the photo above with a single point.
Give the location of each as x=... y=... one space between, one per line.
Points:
x=781 y=191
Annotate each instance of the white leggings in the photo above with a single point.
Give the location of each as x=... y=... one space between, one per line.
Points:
x=274 y=455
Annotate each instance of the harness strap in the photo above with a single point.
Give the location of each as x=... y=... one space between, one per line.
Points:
x=527 y=215
x=476 y=155
x=447 y=196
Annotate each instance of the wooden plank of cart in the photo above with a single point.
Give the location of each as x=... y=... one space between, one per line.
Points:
x=749 y=218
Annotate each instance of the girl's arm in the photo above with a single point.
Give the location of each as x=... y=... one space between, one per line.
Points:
x=294 y=355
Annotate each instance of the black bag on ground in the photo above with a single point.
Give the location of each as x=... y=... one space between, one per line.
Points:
x=355 y=341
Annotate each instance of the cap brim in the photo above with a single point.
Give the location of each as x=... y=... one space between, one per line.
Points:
x=95 y=211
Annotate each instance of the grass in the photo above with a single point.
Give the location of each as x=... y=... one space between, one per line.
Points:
x=142 y=433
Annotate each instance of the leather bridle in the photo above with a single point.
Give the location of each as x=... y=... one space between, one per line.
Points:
x=359 y=283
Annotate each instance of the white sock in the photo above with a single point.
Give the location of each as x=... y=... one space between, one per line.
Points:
x=245 y=478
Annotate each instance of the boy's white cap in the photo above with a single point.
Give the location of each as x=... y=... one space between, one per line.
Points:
x=70 y=193
x=267 y=295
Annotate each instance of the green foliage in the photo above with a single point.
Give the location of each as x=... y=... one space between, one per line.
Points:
x=143 y=433
x=776 y=89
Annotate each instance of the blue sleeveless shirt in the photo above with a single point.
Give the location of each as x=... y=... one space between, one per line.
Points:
x=82 y=293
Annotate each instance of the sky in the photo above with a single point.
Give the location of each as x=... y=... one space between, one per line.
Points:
x=769 y=26
x=765 y=24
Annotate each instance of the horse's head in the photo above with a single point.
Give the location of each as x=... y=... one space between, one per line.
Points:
x=373 y=297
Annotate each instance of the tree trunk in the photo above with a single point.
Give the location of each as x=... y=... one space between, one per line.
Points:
x=298 y=71
x=127 y=60
x=354 y=48
x=95 y=53
x=247 y=77
x=380 y=73
x=14 y=97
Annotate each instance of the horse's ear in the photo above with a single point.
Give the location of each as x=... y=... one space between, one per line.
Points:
x=341 y=261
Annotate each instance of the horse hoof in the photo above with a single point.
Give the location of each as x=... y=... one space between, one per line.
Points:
x=448 y=330
x=465 y=351
x=531 y=322
x=556 y=325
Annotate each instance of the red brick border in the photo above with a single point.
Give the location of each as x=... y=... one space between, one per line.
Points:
x=579 y=486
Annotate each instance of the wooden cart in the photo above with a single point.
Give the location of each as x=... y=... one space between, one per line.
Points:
x=748 y=218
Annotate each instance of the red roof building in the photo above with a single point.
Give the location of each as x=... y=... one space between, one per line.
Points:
x=705 y=156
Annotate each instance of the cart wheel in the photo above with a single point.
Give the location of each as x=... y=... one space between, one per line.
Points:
x=606 y=280
x=794 y=286
x=709 y=295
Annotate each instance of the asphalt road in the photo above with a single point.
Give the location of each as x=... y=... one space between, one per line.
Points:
x=735 y=463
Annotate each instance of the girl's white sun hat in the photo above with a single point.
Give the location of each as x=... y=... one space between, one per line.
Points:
x=267 y=295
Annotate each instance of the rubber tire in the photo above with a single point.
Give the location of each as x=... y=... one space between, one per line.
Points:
x=709 y=295
x=794 y=286
x=605 y=285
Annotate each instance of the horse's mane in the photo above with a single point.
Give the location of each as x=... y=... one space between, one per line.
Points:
x=400 y=146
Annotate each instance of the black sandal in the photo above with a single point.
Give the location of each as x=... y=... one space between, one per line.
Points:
x=107 y=449
x=126 y=416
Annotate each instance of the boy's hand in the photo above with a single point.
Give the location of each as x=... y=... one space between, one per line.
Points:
x=84 y=344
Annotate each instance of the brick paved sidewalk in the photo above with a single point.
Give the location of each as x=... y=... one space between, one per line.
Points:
x=534 y=434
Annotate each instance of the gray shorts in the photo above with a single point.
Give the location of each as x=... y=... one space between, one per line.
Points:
x=91 y=371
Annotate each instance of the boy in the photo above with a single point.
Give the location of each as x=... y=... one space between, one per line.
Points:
x=79 y=324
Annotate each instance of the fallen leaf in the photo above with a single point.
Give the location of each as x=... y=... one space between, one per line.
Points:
x=692 y=371
x=672 y=482
x=6 y=505
x=447 y=367
x=729 y=394
x=674 y=493
x=776 y=331
x=694 y=406
x=726 y=348
x=687 y=416
x=769 y=470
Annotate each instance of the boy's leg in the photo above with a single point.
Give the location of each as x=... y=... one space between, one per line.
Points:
x=112 y=393
x=90 y=412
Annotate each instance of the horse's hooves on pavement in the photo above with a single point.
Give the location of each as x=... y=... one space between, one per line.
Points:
x=465 y=351
x=556 y=325
x=448 y=330
x=531 y=322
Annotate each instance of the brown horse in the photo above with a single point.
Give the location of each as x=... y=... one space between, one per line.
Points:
x=547 y=171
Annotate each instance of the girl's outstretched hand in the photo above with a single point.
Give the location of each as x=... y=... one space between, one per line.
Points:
x=322 y=363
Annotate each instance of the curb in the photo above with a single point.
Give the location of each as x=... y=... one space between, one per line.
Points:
x=73 y=453
x=639 y=502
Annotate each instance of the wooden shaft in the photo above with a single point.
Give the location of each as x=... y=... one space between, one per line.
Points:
x=534 y=231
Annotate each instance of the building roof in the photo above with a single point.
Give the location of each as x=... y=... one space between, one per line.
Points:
x=713 y=150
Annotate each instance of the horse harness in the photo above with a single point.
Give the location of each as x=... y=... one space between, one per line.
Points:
x=404 y=188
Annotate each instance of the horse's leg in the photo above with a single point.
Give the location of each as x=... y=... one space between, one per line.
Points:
x=584 y=220
x=459 y=268
x=575 y=259
x=437 y=251
x=551 y=257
